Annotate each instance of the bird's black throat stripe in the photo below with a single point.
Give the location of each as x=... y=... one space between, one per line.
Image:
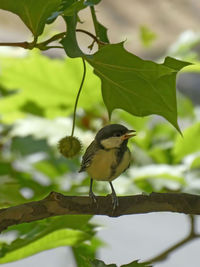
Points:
x=119 y=155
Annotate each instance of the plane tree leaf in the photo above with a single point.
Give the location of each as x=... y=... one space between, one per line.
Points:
x=33 y=13
x=46 y=234
x=99 y=263
x=137 y=86
x=63 y=237
x=69 y=42
x=73 y=7
x=46 y=87
x=136 y=264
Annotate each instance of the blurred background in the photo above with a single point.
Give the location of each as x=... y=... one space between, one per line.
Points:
x=37 y=94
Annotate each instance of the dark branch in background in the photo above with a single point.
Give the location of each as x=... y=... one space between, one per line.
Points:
x=24 y=45
x=190 y=237
x=44 y=45
x=57 y=204
x=92 y=36
x=34 y=44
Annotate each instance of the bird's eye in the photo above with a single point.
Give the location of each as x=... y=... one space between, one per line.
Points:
x=117 y=134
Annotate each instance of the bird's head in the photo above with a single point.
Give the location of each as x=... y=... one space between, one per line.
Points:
x=114 y=136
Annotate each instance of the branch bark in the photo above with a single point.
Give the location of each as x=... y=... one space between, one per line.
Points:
x=57 y=204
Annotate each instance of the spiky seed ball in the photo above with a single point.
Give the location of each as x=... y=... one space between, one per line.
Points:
x=69 y=146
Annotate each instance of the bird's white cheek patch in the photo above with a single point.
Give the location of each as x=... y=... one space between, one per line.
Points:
x=112 y=142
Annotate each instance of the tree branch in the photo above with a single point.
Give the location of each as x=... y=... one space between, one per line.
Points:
x=34 y=44
x=92 y=36
x=57 y=204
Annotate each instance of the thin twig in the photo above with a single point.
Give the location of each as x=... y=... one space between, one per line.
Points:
x=78 y=94
x=19 y=44
x=53 y=46
x=34 y=44
x=54 y=38
x=95 y=22
x=92 y=36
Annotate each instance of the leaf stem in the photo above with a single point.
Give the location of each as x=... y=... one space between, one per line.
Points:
x=24 y=45
x=34 y=44
x=95 y=21
x=78 y=94
x=53 y=46
x=92 y=36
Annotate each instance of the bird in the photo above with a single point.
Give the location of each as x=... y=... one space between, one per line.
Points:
x=107 y=157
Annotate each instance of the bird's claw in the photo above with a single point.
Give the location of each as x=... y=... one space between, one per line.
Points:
x=115 y=201
x=93 y=197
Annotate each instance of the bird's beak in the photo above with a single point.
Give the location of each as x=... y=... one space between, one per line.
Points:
x=129 y=134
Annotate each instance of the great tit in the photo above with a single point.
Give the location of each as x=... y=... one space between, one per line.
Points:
x=107 y=156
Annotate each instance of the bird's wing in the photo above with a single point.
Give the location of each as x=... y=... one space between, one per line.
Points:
x=87 y=157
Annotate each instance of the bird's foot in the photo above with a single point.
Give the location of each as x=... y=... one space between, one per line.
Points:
x=115 y=201
x=93 y=197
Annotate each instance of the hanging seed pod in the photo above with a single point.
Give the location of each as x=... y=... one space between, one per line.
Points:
x=69 y=146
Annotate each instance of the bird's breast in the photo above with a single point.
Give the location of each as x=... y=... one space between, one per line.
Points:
x=104 y=165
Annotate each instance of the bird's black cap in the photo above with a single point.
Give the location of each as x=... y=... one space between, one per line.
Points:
x=111 y=130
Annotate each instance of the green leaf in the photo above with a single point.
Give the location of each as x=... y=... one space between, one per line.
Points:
x=102 y=33
x=74 y=8
x=28 y=145
x=188 y=144
x=92 y=2
x=51 y=85
x=4 y=92
x=135 y=264
x=146 y=36
x=138 y=86
x=9 y=192
x=5 y=168
x=63 y=237
x=185 y=106
x=195 y=163
x=69 y=42
x=46 y=234
x=32 y=108
x=33 y=13
x=99 y=263
x=86 y=251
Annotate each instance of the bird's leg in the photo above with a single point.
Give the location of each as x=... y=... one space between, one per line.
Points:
x=91 y=194
x=114 y=197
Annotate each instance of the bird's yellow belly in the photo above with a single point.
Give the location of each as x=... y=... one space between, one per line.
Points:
x=102 y=165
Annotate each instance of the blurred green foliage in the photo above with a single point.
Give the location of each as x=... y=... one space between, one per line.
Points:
x=37 y=96
x=31 y=167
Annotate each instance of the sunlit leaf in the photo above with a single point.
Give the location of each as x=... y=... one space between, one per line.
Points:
x=196 y=163
x=64 y=237
x=46 y=234
x=188 y=144
x=147 y=36
x=49 y=84
x=185 y=106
